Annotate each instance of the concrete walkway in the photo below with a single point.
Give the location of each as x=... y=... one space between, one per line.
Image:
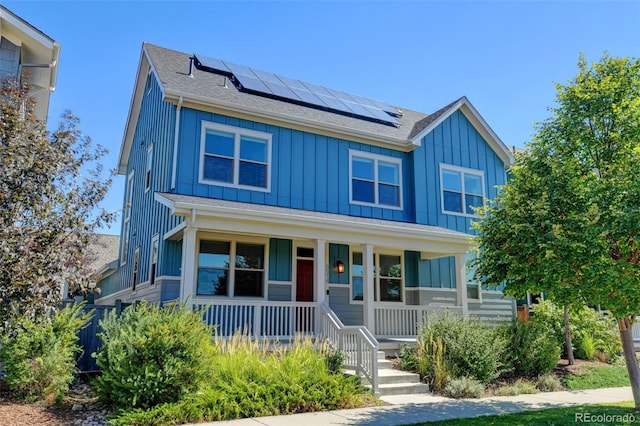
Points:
x=407 y=409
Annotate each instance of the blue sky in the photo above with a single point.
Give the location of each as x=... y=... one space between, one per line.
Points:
x=505 y=56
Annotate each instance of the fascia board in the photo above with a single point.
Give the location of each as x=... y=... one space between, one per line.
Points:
x=309 y=125
x=478 y=123
x=27 y=29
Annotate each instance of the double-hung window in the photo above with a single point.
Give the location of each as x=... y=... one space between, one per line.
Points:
x=462 y=190
x=387 y=280
x=229 y=268
x=126 y=224
x=376 y=180
x=232 y=156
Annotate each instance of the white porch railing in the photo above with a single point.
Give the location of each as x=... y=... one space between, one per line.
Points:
x=635 y=331
x=403 y=321
x=261 y=319
x=358 y=344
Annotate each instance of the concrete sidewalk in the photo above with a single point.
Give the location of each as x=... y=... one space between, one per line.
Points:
x=407 y=409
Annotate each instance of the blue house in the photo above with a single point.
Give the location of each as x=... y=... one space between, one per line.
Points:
x=288 y=207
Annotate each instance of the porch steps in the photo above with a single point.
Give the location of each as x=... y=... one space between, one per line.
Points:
x=397 y=382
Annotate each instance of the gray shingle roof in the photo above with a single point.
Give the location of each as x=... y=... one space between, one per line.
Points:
x=172 y=68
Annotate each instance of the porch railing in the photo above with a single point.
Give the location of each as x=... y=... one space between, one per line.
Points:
x=635 y=331
x=358 y=344
x=403 y=321
x=261 y=319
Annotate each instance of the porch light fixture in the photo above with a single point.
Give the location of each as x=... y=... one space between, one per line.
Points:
x=339 y=266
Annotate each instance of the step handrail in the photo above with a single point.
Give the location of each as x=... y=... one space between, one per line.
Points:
x=358 y=344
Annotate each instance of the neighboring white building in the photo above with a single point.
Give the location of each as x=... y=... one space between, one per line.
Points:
x=25 y=50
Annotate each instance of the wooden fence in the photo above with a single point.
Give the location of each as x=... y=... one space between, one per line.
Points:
x=89 y=340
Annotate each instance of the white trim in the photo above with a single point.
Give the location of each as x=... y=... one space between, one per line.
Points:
x=154 y=239
x=462 y=171
x=126 y=219
x=174 y=233
x=376 y=158
x=117 y=294
x=451 y=290
x=238 y=133
x=176 y=138
x=233 y=241
x=478 y=123
x=148 y=173
x=168 y=277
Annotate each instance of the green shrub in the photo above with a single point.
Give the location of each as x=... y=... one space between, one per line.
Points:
x=586 y=347
x=549 y=383
x=584 y=322
x=249 y=380
x=152 y=355
x=334 y=358
x=464 y=387
x=39 y=358
x=533 y=351
x=519 y=387
x=408 y=359
x=468 y=347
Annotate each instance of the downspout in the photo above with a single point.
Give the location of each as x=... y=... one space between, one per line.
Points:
x=175 y=145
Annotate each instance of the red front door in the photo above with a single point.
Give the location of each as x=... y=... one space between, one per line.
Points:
x=304 y=281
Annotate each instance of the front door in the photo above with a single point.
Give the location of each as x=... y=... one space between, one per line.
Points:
x=304 y=281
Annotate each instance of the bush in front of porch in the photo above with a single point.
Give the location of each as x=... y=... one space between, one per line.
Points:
x=251 y=380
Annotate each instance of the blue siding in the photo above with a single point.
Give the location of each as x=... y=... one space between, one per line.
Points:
x=438 y=273
x=155 y=126
x=411 y=268
x=455 y=142
x=280 y=255
x=308 y=171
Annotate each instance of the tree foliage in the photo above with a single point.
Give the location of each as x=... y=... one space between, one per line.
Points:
x=50 y=185
x=568 y=222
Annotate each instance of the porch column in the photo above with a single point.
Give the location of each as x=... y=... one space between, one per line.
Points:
x=461 y=282
x=189 y=264
x=367 y=287
x=320 y=280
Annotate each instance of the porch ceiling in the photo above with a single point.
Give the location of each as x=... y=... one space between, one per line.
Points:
x=228 y=216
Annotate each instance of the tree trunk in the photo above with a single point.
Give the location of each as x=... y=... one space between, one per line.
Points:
x=567 y=337
x=624 y=325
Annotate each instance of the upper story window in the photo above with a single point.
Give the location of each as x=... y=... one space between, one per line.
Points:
x=462 y=190
x=126 y=219
x=232 y=156
x=376 y=180
x=147 y=176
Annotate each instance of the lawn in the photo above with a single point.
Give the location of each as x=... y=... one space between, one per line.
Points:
x=601 y=414
x=597 y=376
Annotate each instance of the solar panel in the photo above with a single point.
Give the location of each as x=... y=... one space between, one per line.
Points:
x=303 y=93
x=207 y=63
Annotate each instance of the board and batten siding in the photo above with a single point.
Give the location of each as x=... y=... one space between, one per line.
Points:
x=454 y=142
x=155 y=127
x=308 y=171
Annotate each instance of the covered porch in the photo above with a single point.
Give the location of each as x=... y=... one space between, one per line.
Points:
x=275 y=272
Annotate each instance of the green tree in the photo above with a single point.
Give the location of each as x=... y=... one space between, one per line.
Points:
x=50 y=186
x=568 y=222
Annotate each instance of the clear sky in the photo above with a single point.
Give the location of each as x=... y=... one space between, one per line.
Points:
x=505 y=56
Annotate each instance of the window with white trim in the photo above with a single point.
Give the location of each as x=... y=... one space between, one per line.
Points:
x=474 y=291
x=232 y=156
x=154 y=260
x=136 y=263
x=147 y=176
x=387 y=281
x=229 y=268
x=126 y=219
x=462 y=190
x=375 y=180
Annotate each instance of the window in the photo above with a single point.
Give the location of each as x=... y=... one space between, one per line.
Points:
x=229 y=268
x=473 y=286
x=154 y=261
x=126 y=223
x=387 y=285
x=390 y=280
x=147 y=176
x=136 y=261
x=462 y=190
x=375 y=180
x=357 y=292
x=235 y=157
